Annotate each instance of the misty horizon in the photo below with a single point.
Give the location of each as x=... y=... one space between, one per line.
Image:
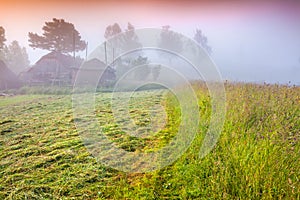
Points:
x=256 y=42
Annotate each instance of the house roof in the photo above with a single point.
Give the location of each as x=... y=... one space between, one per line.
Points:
x=64 y=60
x=94 y=65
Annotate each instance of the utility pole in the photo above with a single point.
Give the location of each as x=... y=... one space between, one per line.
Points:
x=86 y=50
x=113 y=62
x=74 y=48
x=105 y=53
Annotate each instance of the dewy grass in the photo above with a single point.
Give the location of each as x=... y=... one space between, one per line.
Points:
x=257 y=156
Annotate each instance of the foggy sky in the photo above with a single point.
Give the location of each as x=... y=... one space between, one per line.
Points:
x=251 y=40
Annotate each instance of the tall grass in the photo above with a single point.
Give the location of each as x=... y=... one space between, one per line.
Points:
x=256 y=157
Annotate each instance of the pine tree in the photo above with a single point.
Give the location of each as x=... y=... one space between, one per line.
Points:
x=2 y=37
x=16 y=57
x=58 y=35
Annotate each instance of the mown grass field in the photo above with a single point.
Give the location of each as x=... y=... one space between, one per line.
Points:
x=257 y=156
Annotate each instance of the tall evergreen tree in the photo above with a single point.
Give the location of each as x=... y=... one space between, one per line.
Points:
x=58 y=35
x=16 y=57
x=2 y=37
x=202 y=40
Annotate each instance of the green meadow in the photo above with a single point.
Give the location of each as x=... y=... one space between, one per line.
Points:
x=257 y=156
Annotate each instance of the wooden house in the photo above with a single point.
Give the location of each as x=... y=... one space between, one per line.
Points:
x=59 y=69
x=52 y=69
x=95 y=72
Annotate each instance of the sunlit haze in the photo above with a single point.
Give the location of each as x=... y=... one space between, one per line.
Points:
x=251 y=40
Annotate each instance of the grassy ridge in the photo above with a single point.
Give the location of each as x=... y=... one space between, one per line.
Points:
x=257 y=155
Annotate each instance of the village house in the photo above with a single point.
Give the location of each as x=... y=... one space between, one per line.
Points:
x=59 y=69
x=95 y=72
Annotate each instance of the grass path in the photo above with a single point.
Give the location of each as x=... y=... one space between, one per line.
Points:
x=257 y=157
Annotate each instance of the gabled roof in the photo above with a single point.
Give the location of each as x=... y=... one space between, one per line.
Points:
x=94 y=65
x=64 y=60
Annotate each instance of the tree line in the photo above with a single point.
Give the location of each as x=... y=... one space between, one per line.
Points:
x=15 y=56
x=61 y=36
